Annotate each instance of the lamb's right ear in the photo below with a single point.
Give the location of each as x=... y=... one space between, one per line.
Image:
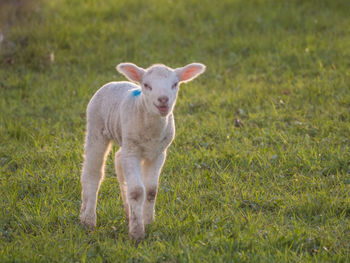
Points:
x=131 y=71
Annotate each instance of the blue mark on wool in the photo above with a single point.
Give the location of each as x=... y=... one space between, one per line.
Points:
x=136 y=93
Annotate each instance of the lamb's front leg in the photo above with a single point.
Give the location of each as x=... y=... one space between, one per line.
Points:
x=131 y=166
x=150 y=173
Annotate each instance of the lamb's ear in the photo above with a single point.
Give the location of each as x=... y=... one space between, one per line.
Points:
x=131 y=71
x=189 y=72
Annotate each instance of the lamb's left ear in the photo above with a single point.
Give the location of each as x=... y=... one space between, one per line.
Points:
x=189 y=72
x=131 y=71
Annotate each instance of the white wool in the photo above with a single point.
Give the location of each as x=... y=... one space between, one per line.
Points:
x=140 y=120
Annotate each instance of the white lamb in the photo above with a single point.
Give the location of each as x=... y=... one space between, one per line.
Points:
x=140 y=120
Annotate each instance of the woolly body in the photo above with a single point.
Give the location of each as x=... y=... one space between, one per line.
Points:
x=119 y=106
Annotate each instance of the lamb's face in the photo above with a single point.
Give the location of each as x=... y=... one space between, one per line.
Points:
x=160 y=86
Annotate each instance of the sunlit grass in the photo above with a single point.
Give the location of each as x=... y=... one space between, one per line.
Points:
x=259 y=170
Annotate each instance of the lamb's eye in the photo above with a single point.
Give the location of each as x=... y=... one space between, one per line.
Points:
x=147 y=86
x=174 y=85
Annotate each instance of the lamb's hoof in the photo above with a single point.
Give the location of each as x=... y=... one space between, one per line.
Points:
x=88 y=221
x=137 y=234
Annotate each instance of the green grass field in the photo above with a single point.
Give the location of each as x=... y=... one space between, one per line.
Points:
x=260 y=167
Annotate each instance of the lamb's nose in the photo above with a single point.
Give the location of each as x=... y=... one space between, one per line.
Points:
x=163 y=99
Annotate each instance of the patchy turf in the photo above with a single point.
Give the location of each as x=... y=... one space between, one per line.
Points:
x=260 y=167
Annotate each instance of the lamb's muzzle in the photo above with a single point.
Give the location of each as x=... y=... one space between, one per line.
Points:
x=138 y=118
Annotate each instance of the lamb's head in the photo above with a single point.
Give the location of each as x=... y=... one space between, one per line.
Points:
x=160 y=84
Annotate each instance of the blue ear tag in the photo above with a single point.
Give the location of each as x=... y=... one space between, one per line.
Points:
x=136 y=93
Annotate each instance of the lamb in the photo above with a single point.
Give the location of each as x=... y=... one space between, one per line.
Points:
x=139 y=119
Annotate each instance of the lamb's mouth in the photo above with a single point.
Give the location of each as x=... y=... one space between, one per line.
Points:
x=163 y=109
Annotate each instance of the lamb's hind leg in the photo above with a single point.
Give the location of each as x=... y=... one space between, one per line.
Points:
x=122 y=182
x=96 y=150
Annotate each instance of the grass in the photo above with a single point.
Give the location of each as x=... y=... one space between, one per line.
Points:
x=260 y=167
